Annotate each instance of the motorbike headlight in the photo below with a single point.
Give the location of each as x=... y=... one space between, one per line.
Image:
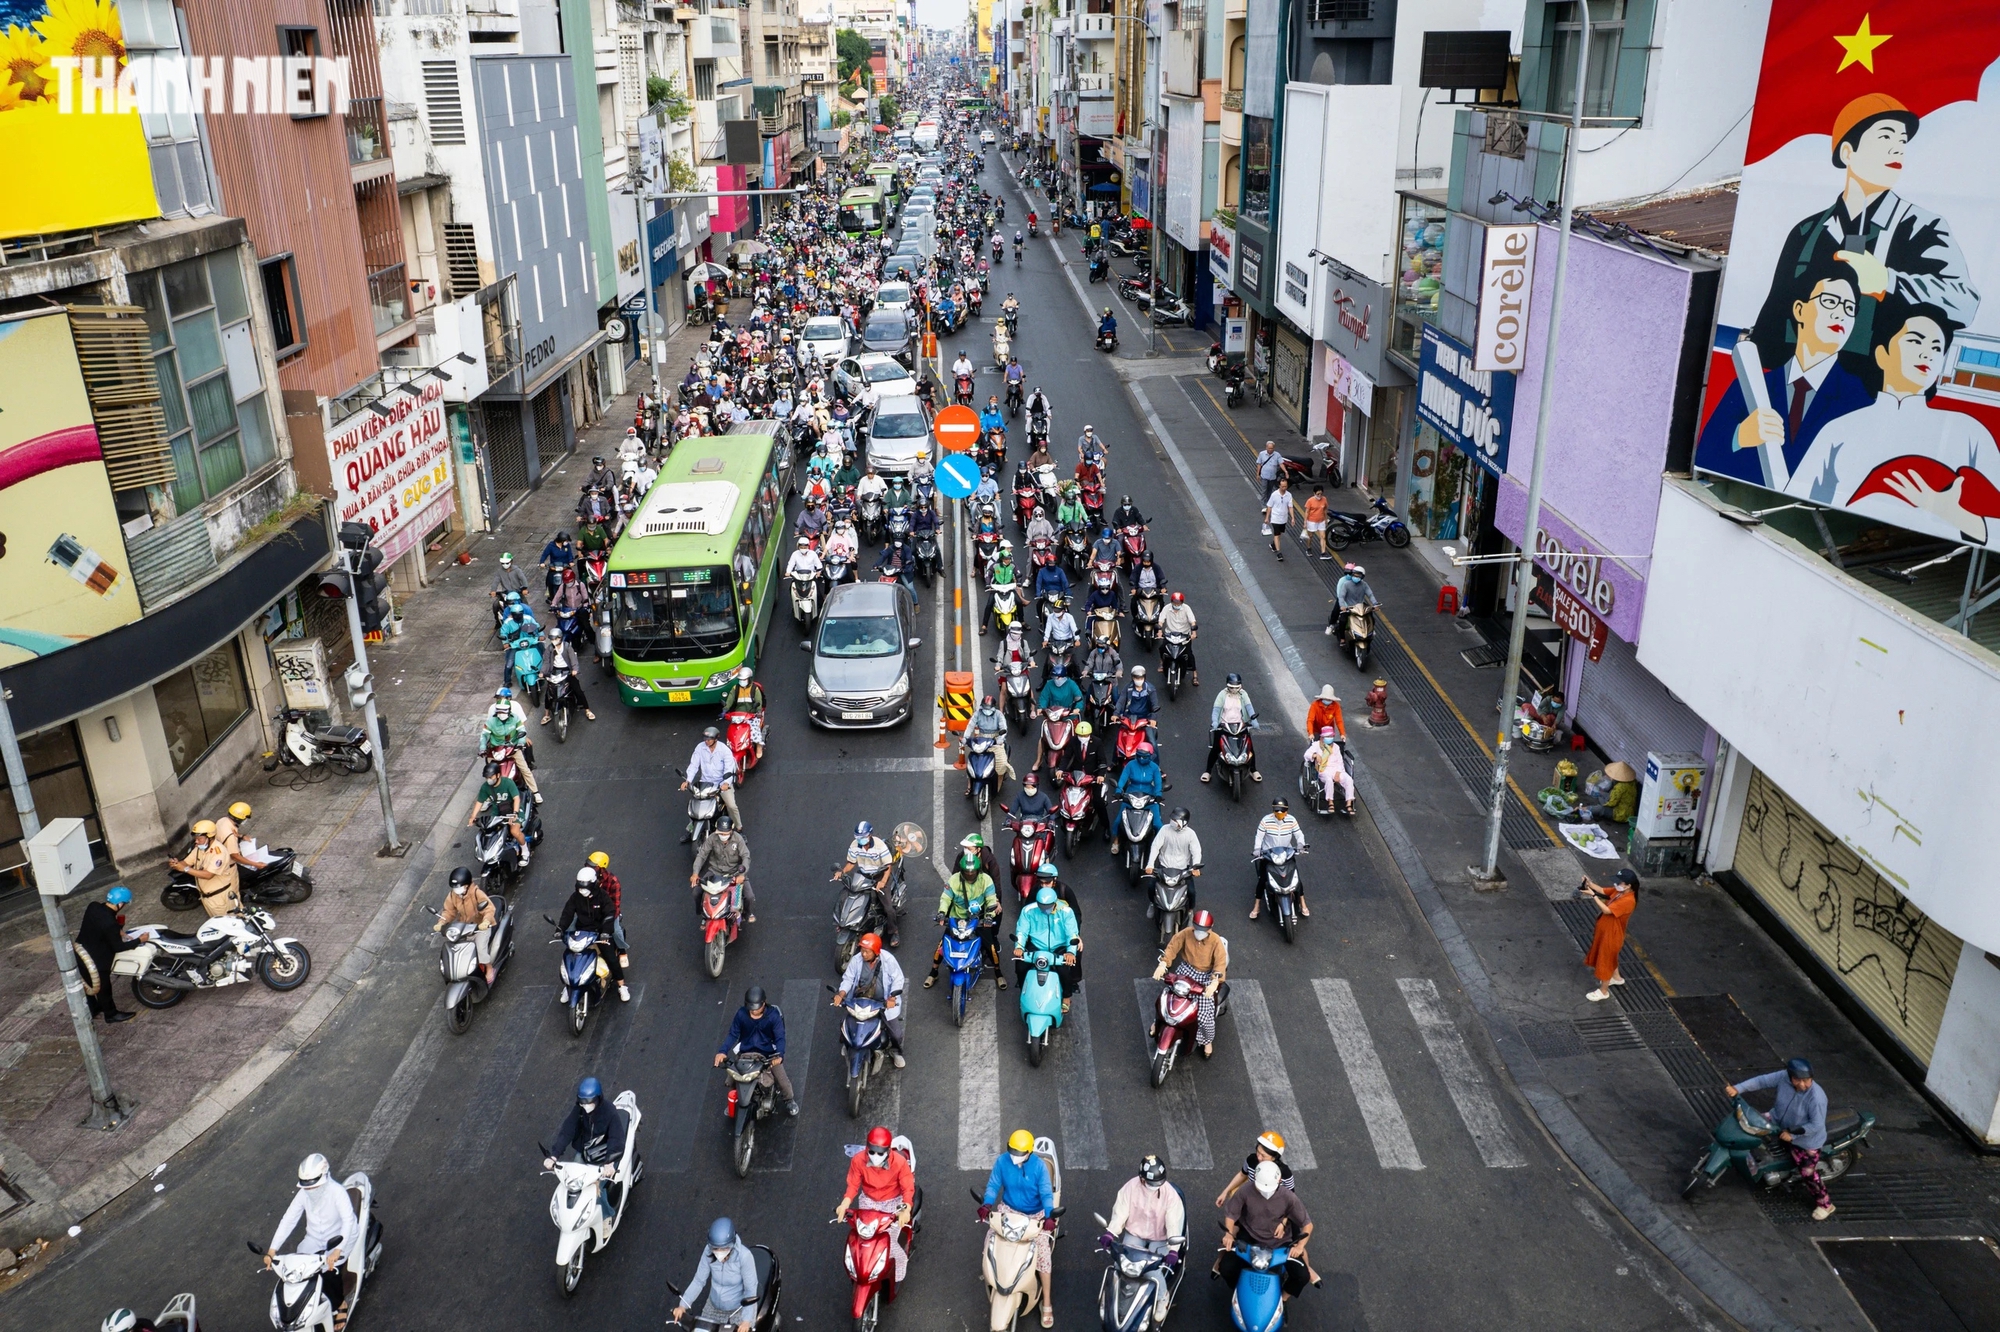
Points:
x=813 y=690
x=1131 y=1268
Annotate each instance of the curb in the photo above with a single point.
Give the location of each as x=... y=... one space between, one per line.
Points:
x=1730 y=1293
x=214 y=1104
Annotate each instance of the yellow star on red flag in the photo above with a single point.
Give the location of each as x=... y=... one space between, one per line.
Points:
x=1860 y=46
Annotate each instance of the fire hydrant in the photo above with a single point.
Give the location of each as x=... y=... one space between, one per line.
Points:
x=1377 y=700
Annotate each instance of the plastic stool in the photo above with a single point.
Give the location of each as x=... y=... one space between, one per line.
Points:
x=1577 y=741
x=1448 y=599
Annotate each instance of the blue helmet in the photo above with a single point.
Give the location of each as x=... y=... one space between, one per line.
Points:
x=119 y=896
x=1045 y=896
x=590 y=1089
x=1058 y=670
x=1798 y=1068
x=863 y=831
x=721 y=1233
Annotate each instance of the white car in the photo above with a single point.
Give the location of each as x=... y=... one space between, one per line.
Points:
x=899 y=432
x=892 y=296
x=871 y=376
x=825 y=336
x=988 y=137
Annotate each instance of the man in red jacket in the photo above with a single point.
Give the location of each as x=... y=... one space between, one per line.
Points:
x=879 y=1179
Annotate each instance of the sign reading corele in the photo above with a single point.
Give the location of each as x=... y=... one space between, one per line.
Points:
x=1506 y=280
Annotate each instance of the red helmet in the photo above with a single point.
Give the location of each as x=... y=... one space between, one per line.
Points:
x=1202 y=920
x=878 y=1136
x=871 y=943
x=1179 y=598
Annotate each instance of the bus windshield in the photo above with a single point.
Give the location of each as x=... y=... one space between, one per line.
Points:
x=686 y=613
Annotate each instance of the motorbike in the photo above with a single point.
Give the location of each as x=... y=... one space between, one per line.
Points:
x=753 y=1095
x=1537 y=722
x=1107 y=340
x=805 y=597
x=1278 y=887
x=524 y=664
x=299 y=1301
x=860 y=911
x=963 y=387
x=1075 y=549
x=929 y=560
x=1100 y=268
x=1175 y=649
x=1131 y=545
x=863 y=1045
x=1357 y=633
x=872 y=519
x=1171 y=900
x=1146 y=608
x=1217 y=358
x=770 y=1287
x=1060 y=650
x=982 y=771
x=494 y=847
x=703 y=800
x=1034 y=842
x=280 y=881
x=586 y=976
x=1020 y=696
x=582 y=1190
x=1258 y=1302
x=306 y=746
x=1132 y=732
x=1099 y=697
x=1233 y=385
x=871 y=1264
x=458 y=963
x=1093 y=503
x=965 y=960
x=1058 y=730
x=1076 y=805
x=839 y=568
x=1749 y=1140
x=1006 y=599
x=1170 y=311
x=721 y=921
x=1027 y=494
x=1235 y=760
x=739 y=725
x=1343 y=529
x=1176 y=1021
x=555 y=690
x=1038 y=427
x=224 y=951
x=1007 y=1261
x=1138 y=290
x=1142 y=1279
x=1041 y=1001
x=1133 y=830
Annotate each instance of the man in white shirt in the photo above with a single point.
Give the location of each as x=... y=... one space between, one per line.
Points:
x=332 y=1228
x=1278 y=514
x=714 y=764
x=1278 y=828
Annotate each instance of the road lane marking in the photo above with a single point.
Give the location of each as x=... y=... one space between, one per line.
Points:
x=488 y=1102
x=1380 y=1111
x=1076 y=1091
x=404 y=1088
x=1461 y=1076
x=1180 y=1107
x=1269 y=1082
x=979 y=1083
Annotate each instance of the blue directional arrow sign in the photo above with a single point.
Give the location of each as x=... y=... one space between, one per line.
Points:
x=957 y=476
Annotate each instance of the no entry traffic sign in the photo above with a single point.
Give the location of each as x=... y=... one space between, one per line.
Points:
x=956 y=428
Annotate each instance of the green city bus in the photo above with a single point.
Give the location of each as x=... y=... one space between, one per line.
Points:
x=884 y=176
x=861 y=211
x=692 y=581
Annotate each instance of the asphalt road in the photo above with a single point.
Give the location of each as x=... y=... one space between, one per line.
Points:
x=1438 y=1201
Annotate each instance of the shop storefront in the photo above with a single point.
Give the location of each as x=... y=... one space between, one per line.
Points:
x=1291 y=371
x=1367 y=392
x=1463 y=422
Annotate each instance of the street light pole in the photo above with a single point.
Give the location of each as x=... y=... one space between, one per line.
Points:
x=350 y=560
x=1488 y=872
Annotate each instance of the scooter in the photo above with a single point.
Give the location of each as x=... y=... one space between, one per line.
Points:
x=1134 y=831
x=499 y=855
x=1142 y=1279
x=1342 y=529
x=721 y=921
x=303 y=746
x=1171 y=900
x=524 y=668
x=1076 y=805
x=1357 y=634
x=982 y=771
x=738 y=727
x=753 y=1095
x=860 y=912
x=226 y=950
x=863 y=1045
x=581 y=1192
x=1006 y=599
x=281 y=881
x=1058 y=731
x=805 y=597
x=1278 y=887
x=1749 y=1139
x=770 y=1287
x=555 y=688
x=929 y=560
x=458 y=962
x=965 y=960
x=1007 y=1261
x=1176 y=1021
x=1258 y=1302
x=1042 y=1001
x=1107 y=341
x=586 y=976
x=299 y=1301
x=1020 y=697
x=703 y=800
x=1235 y=760
x=871 y=1264
x=1175 y=649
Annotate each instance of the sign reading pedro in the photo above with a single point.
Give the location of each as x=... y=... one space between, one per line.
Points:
x=63 y=575
x=1471 y=408
x=70 y=170
x=388 y=468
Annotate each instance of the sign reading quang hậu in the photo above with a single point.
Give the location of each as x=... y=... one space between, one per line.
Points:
x=387 y=469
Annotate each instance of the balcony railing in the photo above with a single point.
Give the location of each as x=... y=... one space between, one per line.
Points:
x=367 y=131
x=388 y=298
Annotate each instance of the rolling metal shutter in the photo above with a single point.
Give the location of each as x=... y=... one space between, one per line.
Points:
x=123 y=384
x=1628 y=712
x=1892 y=958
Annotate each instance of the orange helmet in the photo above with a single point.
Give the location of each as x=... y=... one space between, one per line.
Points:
x=872 y=943
x=1272 y=1141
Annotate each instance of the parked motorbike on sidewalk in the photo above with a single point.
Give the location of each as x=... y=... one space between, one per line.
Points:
x=458 y=962
x=303 y=746
x=584 y=1191
x=1748 y=1139
x=753 y=1095
x=224 y=951
x=1343 y=529
x=1176 y=1021
x=299 y=1302
x=281 y=881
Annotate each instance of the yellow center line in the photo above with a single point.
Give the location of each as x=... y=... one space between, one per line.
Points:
x=1227 y=417
x=1534 y=811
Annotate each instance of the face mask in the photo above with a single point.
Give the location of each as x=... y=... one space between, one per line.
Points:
x=588 y=1107
x=877 y=1157
x=583 y=892
x=1018 y=1158
x=462 y=889
x=1201 y=934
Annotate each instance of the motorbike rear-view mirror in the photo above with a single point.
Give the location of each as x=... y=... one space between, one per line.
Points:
x=805 y=645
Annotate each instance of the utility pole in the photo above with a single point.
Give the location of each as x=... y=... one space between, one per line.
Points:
x=359 y=585
x=107 y=1111
x=1488 y=872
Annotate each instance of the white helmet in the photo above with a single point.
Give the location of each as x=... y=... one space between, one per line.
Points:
x=587 y=876
x=119 y=1320
x=312 y=1171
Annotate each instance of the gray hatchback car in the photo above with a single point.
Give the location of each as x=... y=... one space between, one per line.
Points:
x=861 y=647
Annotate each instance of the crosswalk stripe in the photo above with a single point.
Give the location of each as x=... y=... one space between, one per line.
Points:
x=801 y=1008
x=1076 y=1091
x=1380 y=1112
x=979 y=1083
x=1269 y=1082
x=1180 y=1107
x=1461 y=1076
x=400 y=1096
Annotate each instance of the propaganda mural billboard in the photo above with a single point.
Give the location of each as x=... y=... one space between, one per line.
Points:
x=1857 y=357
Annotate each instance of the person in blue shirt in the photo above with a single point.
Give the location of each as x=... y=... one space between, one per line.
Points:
x=1800 y=1114
x=759 y=1027
x=728 y=1275
x=895 y=561
x=987 y=490
x=557 y=556
x=992 y=417
x=1020 y=1182
x=1108 y=324
x=1051 y=581
x=1141 y=702
x=1106 y=549
x=1142 y=774
x=1049 y=926
x=1060 y=691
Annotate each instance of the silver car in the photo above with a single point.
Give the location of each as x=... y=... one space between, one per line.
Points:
x=872 y=376
x=860 y=649
x=898 y=434
x=825 y=336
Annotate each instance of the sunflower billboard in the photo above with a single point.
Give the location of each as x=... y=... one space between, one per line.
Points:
x=78 y=159
x=1857 y=355
x=63 y=571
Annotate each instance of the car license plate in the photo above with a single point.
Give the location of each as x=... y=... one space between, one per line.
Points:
x=680 y=696
x=857 y=716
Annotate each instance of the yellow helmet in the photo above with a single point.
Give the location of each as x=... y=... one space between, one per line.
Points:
x=1021 y=1141
x=240 y=810
x=204 y=828
x=599 y=859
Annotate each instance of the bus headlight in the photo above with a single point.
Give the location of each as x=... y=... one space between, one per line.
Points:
x=719 y=679
x=636 y=684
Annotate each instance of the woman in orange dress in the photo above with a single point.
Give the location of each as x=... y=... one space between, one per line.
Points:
x=1614 y=909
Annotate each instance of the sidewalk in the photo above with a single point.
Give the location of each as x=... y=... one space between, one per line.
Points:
x=1628 y=1088
x=189 y=1066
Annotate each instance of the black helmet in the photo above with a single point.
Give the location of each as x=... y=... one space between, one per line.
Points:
x=492 y=769
x=1153 y=1170
x=1180 y=814
x=724 y=823
x=461 y=876
x=1232 y=679
x=753 y=997
x=1280 y=805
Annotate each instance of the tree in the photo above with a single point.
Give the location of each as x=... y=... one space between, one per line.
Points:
x=855 y=53
x=666 y=94
x=681 y=175
x=890 y=110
